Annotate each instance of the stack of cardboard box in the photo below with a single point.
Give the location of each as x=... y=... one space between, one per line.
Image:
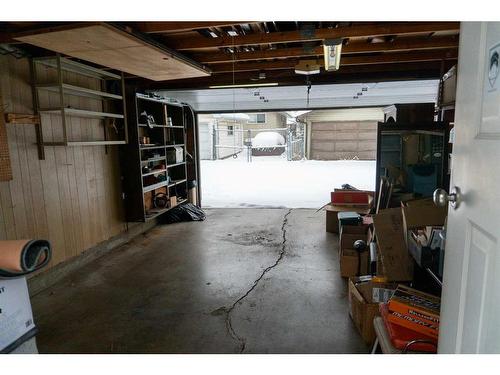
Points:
x=342 y=200
x=352 y=261
x=394 y=266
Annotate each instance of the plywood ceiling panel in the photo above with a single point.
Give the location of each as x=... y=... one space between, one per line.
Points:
x=109 y=46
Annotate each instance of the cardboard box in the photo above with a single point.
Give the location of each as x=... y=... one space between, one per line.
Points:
x=362 y=308
x=351 y=233
x=423 y=215
x=417 y=202
x=396 y=262
x=419 y=214
x=332 y=221
x=351 y=197
x=352 y=264
x=347 y=240
x=16 y=317
x=415 y=310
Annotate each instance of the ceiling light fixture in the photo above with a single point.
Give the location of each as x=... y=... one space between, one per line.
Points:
x=243 y=85
x=213 y=35
x=331 y=51
x=232 y=33
x=307 y=67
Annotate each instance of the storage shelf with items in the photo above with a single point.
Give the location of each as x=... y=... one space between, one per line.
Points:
x=155 y=179
x=90 y=103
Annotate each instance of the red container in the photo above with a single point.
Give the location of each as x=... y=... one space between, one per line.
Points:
x=400 y=336
x=350 y=198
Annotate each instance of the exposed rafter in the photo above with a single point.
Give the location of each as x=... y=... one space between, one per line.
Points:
x=181 y=26
x=193 y=43
x=407 y=44
x=384 y=58
x=346 y=74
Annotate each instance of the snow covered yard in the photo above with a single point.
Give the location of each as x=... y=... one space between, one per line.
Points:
x=275 y=182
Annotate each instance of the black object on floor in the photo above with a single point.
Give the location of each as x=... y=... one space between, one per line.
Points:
x=183 y=212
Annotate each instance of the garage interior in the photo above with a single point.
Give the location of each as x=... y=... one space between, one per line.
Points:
x=106 y=245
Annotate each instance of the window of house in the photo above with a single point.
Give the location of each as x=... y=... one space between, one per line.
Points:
x=257 y=118
x=230 y=130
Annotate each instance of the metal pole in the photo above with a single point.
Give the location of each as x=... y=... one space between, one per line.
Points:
x=303 y=141
x=36 y=107
x=249 y=147
x=289 y=145
x=214 y=140
x=61 y=98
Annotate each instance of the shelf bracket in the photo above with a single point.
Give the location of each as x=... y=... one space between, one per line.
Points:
x=38 y=126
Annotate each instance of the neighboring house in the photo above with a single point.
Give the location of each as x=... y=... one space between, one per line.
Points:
x=342 y=133
x=228 y=134
x=265 y=120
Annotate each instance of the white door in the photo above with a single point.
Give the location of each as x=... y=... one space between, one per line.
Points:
x=470 y=311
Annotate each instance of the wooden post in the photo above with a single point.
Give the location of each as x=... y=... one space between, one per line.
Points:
x=5 y=167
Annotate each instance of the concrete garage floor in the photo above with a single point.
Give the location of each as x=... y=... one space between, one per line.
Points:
x=244 y=280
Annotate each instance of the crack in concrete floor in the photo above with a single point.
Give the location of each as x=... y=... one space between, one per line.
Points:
x=228 y=311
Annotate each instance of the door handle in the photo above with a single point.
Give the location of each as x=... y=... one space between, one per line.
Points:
x=441 y=198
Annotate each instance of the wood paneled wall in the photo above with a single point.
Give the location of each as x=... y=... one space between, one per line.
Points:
x=73 y=197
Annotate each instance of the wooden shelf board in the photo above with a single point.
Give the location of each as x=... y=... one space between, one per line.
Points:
x=79 y=91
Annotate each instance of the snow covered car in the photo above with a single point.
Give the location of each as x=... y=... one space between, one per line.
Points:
x=268 y=143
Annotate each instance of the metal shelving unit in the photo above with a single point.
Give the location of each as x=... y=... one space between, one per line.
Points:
x=154 y=164
x=64 y=89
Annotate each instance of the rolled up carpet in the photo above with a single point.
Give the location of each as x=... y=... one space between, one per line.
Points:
x=20 y=257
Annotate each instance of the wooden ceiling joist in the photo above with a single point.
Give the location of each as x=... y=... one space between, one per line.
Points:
x=346 y=74
x=385 y=58
x=408 y=28
x=181 y=26
x=408 y=44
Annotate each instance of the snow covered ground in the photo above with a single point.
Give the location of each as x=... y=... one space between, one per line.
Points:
x=272 y=181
